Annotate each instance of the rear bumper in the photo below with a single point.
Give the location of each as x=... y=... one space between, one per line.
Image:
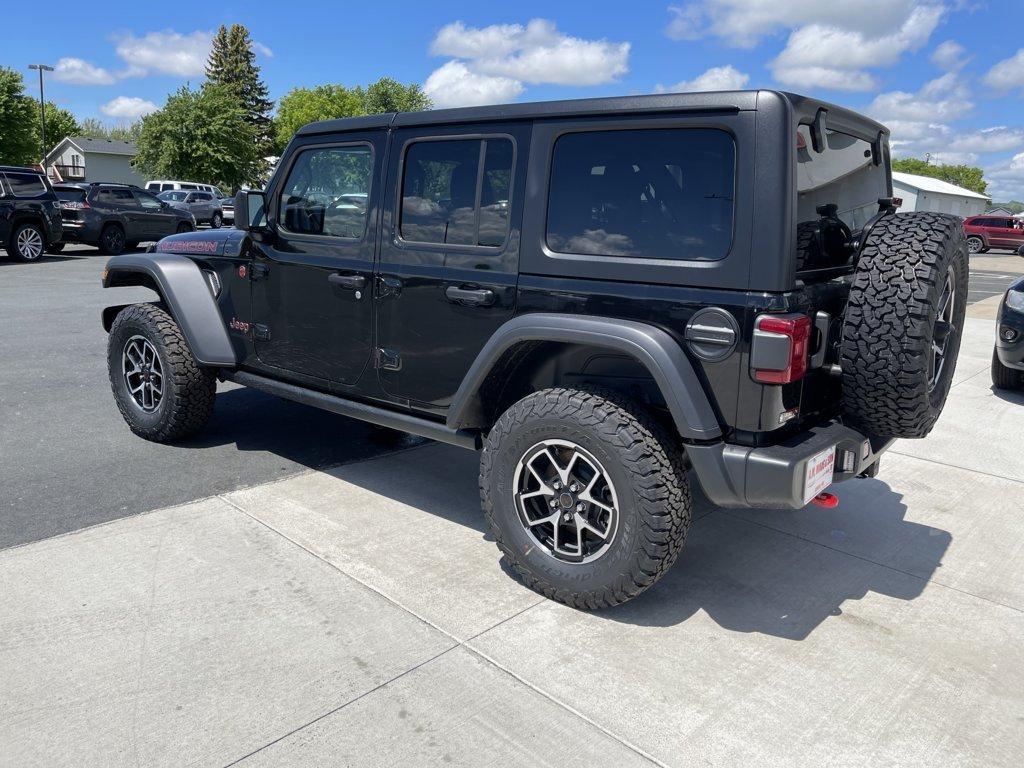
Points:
x=773 y=476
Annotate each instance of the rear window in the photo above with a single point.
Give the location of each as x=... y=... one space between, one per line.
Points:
x=70 y=194
x=153 y=187
x=651 y=194
x=25 y=184
x=844 y=174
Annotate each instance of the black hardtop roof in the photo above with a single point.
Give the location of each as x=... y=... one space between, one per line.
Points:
x=710 y=101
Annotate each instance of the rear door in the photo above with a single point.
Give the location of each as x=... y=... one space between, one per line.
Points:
x=158 y=220
x=312 y=279
x=449 y=254
x=120 y=202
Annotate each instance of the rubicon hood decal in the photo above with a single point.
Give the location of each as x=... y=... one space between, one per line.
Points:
x=219 y=242
x=190 y=246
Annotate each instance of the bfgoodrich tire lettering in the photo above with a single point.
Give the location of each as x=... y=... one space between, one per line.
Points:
x=187 y=390
x=894 y=324
x=653 y=503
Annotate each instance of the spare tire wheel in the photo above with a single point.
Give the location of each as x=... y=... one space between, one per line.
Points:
x=903 y=324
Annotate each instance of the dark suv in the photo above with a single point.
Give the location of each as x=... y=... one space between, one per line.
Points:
x=117 y=216
x=611 y=299
x=29 y=217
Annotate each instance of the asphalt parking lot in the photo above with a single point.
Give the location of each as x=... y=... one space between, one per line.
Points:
x=295 y=588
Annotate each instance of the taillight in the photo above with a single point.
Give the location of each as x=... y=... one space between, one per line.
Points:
x=780 y=348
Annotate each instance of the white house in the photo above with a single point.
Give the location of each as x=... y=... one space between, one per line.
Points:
x=79 y=158
x=923 y=193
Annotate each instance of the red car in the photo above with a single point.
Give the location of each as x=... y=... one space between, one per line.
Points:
x=984 y=232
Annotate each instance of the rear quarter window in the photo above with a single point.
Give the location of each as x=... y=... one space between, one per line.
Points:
x=25 y=184
x=643 y=193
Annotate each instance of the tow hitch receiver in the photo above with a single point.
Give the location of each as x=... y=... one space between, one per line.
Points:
x=826 y=500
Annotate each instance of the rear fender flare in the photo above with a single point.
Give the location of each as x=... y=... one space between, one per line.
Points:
x=186 y=295
x=652 y=347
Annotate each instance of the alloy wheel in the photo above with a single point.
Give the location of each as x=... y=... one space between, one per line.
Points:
x=973 y=245
x=143 y=373
x=943 y=330
x=566 y=501
x=30 y=244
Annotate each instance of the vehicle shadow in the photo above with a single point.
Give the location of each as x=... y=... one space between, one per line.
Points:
x=776 y=572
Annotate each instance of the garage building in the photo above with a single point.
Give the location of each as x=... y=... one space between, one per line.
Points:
x=923 y=193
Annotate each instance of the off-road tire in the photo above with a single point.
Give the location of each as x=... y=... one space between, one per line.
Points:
x=890 y=322
x=112 y=241
x=649 y=472
x=188 y=389
x=12 y=243
x=806 y=247
x=1004 y=377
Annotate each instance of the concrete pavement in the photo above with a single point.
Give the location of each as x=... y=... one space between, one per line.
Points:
x=361 y=616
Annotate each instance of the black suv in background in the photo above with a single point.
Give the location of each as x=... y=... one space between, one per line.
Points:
x=114 y=217
x=611 y=299
x=30 y=221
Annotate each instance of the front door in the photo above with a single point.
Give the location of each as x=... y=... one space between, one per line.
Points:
x=449 y=263
x=312 y=289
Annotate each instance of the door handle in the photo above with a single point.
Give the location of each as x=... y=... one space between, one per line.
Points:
x=470 y=297
x=350 y=282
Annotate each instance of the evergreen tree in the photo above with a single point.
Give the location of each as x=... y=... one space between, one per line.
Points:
x=232 y=65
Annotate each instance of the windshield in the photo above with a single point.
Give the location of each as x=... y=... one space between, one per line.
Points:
x=173 y=196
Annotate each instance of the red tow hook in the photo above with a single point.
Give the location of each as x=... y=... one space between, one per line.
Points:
x=826 y=500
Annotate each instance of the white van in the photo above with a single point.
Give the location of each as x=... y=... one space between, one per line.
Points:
x=164 y=185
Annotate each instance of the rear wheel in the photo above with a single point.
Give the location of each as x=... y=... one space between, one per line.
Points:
x=585 y=495
x=162 y=392
x=27 y=242
x=902 y=329
x=217 y=220
x=975 y=245
x=112 y=240
x=1004 y=377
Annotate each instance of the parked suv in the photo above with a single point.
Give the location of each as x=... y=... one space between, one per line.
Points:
x=204 y=206
x=611 y=299
x=984 y=232
x=29 y=217
x=114 y=217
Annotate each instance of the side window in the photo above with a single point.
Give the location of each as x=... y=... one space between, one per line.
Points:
x=446 y=199
x=25 y=184
x=166 y=187
x=146 y=200
x=327 y=192
x=650 y=193
x=153 y=187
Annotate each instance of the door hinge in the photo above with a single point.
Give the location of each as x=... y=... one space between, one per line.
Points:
x=258 y=271
x=260 y=332
x=387 y=360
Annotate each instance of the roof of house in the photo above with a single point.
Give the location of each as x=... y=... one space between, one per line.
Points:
x=97 y=146
x=928 y=184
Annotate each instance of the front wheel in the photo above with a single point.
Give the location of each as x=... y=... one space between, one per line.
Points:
x=162 y=392
x=183 y=227
x=217 y=220
x=975 y=245
x=586 y=496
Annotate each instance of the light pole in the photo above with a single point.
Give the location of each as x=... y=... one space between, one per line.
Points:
x=42 y=110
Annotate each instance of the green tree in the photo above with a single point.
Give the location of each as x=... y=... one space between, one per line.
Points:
x=232 y=64
x=96 y=129
x=19 y=115
x=328 y=102
x=59 y=125
x=203 y=136
x=967 y=176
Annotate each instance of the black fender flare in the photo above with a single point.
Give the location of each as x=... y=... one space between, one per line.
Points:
x=652 y=347
x=187 y=296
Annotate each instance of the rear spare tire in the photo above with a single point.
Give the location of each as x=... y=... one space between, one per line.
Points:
x=903 y=324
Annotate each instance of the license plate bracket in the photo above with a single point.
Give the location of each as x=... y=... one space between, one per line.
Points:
x=818 y=473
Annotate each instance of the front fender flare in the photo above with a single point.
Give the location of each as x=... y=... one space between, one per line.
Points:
x=652 y=347
x=183 y=289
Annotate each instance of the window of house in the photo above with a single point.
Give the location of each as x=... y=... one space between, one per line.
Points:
x=448 y=198
x=327 y=192
x=651 y=193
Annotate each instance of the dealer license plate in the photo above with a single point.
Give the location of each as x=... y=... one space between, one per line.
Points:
x=818 y=475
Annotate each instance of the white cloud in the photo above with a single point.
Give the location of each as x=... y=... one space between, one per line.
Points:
x=168 y=52
x=940 y=100
x=1006 y=179
x=130 y=107
x=455 y=85
x=81 y=72
x=743 y=22
x=827 y=56
x=726 y=78
x=953 y=158
x=262 y=49
x=949 y=56
x=1008 y=74
x=535 y=53
x=996 y=139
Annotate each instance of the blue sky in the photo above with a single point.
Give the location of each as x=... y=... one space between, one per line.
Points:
x=946 y=75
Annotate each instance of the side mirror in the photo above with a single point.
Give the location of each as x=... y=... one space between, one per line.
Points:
x=250 y=210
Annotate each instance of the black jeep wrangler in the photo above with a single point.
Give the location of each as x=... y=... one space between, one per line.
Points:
x=612 y=299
